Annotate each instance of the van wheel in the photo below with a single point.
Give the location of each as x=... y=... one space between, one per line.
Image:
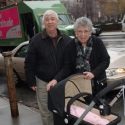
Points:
x=16 y=79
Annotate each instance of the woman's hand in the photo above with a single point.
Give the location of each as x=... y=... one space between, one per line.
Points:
x=88 y=75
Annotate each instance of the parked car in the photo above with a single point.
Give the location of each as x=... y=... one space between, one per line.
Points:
x=96 y=31
x=18 y=58
x=115 y=71
x=123 y=24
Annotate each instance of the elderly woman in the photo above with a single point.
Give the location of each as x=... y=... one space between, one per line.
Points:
x=87 y=54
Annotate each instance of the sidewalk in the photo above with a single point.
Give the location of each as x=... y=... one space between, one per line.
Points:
x=112 y=33
x=26 y=116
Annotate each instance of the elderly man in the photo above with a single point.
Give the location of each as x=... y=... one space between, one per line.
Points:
x=44 y=61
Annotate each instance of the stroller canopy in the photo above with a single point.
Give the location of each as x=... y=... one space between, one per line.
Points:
x=63 y=91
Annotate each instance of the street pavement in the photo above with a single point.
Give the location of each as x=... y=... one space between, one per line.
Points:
x=27 y=116
x=112 y=33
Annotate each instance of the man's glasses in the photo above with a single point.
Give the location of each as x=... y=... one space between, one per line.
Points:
x=81 y=32
x=48 y=19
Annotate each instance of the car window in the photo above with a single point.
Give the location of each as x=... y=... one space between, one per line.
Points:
x=124 y=21
x=22 y=51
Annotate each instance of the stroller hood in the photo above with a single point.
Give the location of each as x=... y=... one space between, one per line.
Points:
x=59 y=95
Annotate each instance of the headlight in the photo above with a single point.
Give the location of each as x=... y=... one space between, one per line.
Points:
x=111 y=72
x=120 y=70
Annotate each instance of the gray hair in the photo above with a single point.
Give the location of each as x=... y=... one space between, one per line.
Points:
x=48 y=12
x=83 y=21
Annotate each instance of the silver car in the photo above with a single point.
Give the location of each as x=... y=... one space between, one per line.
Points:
x=116 y=69
x=18 y=57
x=96 y=31
x=123 y=24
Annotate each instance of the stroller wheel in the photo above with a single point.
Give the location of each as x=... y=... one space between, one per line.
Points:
x=66 y=120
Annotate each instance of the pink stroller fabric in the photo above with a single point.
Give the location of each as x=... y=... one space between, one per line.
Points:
x=90 y=117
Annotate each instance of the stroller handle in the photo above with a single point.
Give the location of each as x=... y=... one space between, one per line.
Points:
x=76 y=97
x=110 y=87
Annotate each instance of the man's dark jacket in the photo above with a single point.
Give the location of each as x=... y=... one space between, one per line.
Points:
x=43 y=60
x=99 y=59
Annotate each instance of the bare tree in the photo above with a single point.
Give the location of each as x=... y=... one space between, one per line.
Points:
x=79 y=8
x=66 y=3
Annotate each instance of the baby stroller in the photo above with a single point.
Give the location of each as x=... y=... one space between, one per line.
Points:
x=73 y=95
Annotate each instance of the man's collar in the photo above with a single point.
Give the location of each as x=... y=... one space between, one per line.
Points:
x=45 y=35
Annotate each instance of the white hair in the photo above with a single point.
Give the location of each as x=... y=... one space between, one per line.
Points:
x=48 y=12
x=83 y=21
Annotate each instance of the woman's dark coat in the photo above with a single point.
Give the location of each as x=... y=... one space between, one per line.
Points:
x=99 y=60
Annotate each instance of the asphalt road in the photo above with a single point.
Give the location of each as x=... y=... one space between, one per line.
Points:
x=24 y=94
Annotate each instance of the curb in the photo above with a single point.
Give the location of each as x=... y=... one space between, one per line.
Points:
x=112 y=33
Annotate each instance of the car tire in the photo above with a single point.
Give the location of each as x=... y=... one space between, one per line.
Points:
x=16 y=78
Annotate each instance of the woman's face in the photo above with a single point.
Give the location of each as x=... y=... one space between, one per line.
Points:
x=83 y=34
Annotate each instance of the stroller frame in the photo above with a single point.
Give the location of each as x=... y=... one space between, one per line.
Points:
x=120 y=93
x=101 y=94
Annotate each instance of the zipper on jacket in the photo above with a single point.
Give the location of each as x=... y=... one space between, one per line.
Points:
x=53 y=53
x=101 y=81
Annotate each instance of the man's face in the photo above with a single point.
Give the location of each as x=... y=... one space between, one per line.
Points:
x=51 y=22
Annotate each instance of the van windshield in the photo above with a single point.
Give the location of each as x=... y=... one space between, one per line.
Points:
x=63 y=20
x=62 y=17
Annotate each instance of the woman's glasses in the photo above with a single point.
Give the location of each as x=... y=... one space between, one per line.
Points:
x=80 y=32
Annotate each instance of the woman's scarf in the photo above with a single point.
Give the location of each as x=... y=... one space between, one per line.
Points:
x=83 y=54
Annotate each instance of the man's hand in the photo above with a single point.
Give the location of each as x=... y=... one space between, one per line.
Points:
x=88 y=75
x=51 y=83
x=34 y=88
